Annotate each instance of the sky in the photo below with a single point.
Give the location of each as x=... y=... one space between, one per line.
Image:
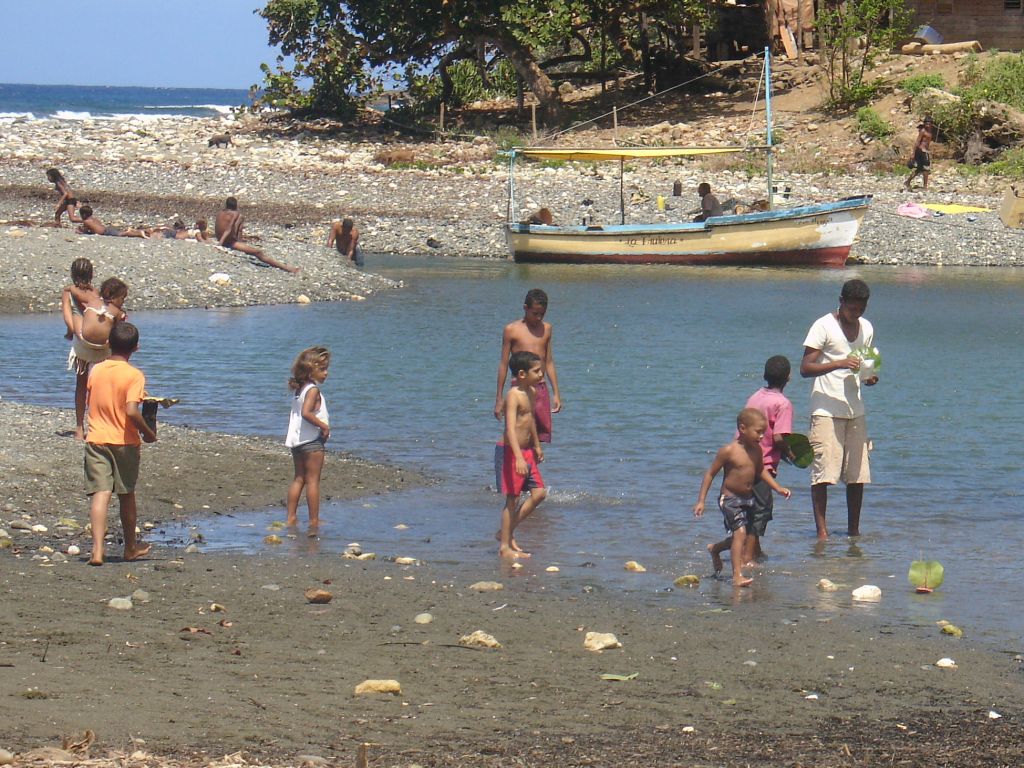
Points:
x=172 y=43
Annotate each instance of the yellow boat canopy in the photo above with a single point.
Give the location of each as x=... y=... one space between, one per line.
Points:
x=621 y=153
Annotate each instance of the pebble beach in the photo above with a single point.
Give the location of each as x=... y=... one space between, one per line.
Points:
x=222 y=659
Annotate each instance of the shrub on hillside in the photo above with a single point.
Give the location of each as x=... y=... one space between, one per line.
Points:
x=917 y=83
x=870 y=123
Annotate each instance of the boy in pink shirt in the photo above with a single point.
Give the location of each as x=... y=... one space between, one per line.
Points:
x=778 y=411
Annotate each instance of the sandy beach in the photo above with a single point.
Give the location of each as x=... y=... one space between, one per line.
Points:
x=175 y=681
x=267 y=673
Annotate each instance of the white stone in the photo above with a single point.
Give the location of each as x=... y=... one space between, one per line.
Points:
x=600 y=641
x=423 y=618
x=120 y=604
x=74 y=550
x=868 y=593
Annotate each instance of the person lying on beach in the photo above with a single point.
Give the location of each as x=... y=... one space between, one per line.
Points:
x=67 y=202
x=93 y=226
x=532 y=334
x=228 y=230
x=199 y=234
x=743 y=465
x=345 y=237
x=178 y=231
x=517 y=456
x=112 y=452
x=71 y=308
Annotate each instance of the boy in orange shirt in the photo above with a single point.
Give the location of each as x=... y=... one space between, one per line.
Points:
x=113 y=393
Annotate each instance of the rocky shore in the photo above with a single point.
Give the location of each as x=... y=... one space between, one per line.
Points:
x=444 y=198
x=217 y=655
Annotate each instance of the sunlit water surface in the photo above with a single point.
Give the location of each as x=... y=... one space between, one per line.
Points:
x=653 y=363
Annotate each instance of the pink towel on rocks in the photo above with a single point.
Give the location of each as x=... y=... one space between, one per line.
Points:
x=912 y=210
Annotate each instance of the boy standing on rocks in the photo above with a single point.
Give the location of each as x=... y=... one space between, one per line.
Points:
x=112 y=452
x=531 y=334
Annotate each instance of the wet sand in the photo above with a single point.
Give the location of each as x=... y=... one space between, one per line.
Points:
x=274 y=675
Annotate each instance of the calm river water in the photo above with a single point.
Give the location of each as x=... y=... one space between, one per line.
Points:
x=653 y=363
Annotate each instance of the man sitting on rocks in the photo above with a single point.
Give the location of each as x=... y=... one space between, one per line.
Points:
x=228 y=229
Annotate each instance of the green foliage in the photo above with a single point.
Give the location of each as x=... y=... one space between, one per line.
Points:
x=1009 y=164
x=917 y=83
x=507 y=137
x=870 y=123
x=1002 y=79
x=853 y=33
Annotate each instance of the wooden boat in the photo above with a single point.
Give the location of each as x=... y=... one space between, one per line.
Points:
x=818 y=234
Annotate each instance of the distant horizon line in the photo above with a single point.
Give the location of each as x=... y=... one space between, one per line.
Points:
x=155 y=87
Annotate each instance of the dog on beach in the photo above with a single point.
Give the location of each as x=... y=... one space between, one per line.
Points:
x=221 y=139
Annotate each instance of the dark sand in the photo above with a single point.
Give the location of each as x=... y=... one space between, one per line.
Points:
x=278 y=681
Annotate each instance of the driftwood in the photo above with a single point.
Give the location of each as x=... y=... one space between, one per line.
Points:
x=916 y=48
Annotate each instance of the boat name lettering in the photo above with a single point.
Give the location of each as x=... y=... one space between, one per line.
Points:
x=651 y=240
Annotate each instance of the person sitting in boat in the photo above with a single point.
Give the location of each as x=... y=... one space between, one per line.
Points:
x=709 y=205
x=541 y=216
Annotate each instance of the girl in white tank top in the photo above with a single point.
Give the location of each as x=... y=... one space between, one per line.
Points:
x=308 y=431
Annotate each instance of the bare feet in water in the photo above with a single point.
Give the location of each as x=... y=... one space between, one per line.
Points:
x=742 y=581
x=512 y=544
x=716 y=559
x=515 y=554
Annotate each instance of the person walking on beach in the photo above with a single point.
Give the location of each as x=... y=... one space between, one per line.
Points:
x=228 y=231
x=518 y=455
x=345 y=236
x=532 y=334
x=743 y=466
x=308 y=431
x=838 y=431
x=71 y=307
x=67 y=203
x=921 y=156
x=778 y=413
x=112 y=453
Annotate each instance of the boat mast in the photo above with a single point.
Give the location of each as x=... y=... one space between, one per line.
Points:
x=622 y=193
x=768 y=120
x=511 y=187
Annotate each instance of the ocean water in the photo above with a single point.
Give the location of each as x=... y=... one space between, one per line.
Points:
x=81 y=102
x=653 y=363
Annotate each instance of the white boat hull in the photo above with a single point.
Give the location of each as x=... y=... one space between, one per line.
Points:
x=813 y=235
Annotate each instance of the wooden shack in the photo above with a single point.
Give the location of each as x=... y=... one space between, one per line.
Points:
x=994 y=23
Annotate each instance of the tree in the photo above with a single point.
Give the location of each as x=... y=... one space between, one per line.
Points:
x=337 y=44
x=853 y=33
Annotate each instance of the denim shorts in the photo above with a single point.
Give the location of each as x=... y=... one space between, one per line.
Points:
x=313 y=446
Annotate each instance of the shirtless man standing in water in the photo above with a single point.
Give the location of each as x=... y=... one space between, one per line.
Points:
x=228 y=229
x=531 y=334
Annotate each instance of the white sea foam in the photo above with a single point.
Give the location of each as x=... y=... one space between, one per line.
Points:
x=12 y=117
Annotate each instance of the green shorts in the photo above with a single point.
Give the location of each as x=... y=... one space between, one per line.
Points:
x=111 y=468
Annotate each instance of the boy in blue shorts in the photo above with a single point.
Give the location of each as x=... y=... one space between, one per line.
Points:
x=743 y=465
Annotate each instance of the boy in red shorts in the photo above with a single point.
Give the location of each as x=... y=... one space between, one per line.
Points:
x=113 y=393
x=521 y=452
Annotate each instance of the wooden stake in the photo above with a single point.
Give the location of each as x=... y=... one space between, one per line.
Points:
x=361 y=761
x=615 y=125
x=442 y=118
x=533 y=121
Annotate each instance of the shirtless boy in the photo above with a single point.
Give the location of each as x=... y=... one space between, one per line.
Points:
x=345 y=237
x=93 y=226
x=520 y=452
x=228 y=230
x=531 y=334
x=921 y=155
x=743 y=464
